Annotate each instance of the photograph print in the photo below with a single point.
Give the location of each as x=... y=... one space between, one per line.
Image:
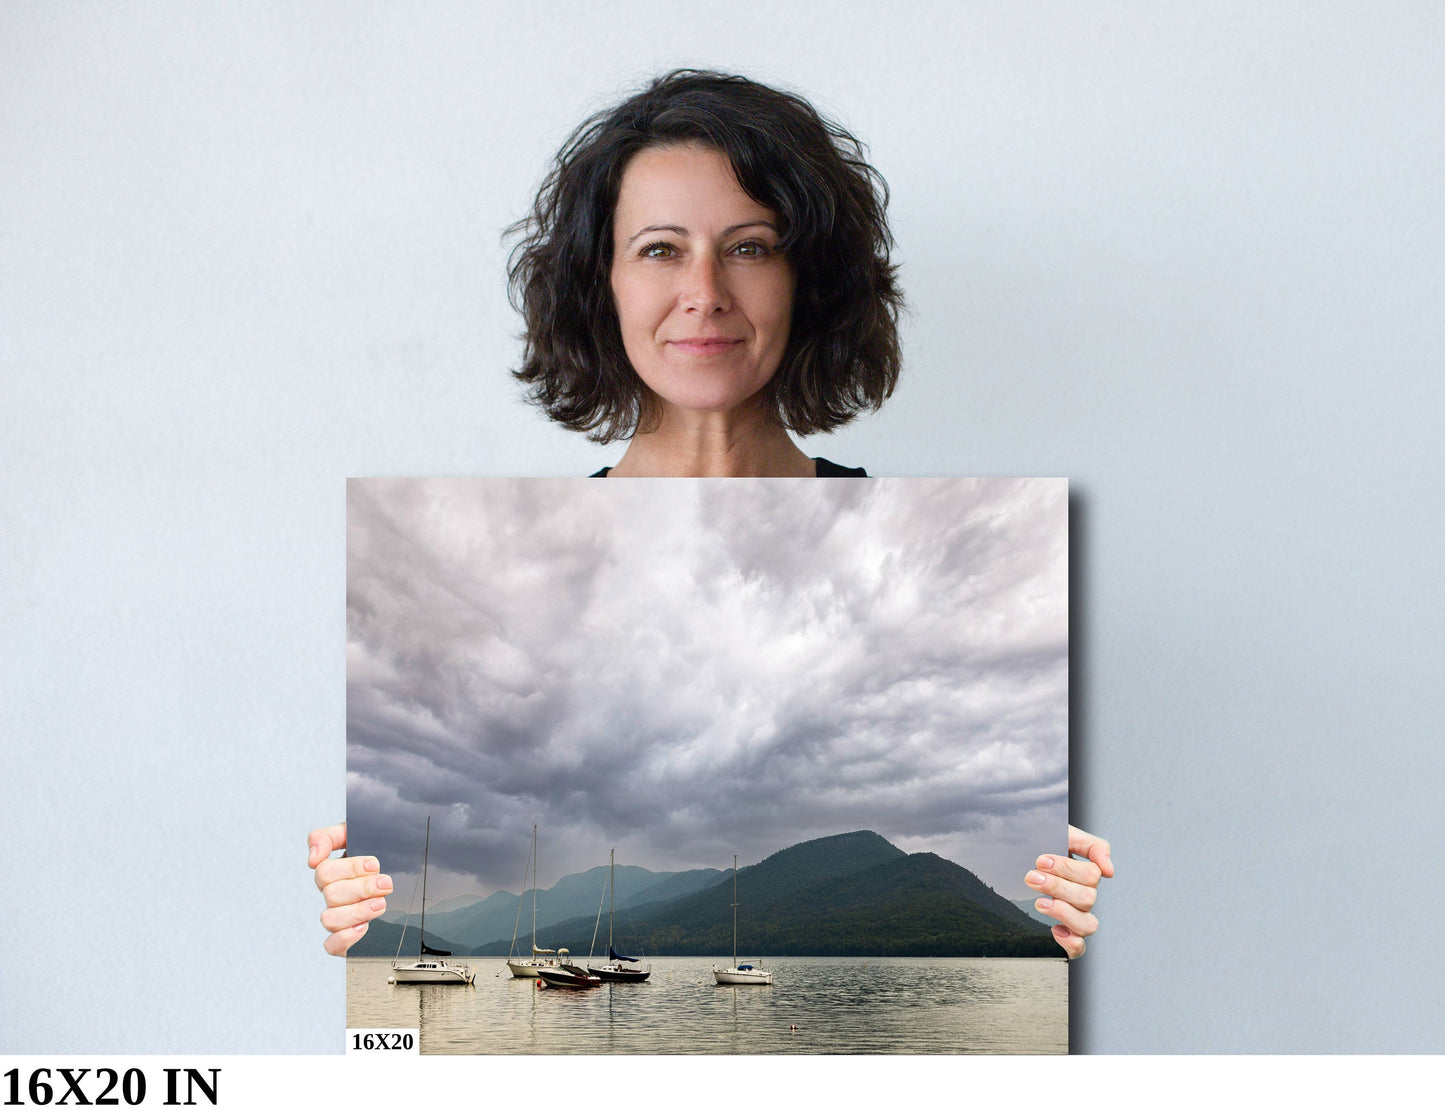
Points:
x=709 y=766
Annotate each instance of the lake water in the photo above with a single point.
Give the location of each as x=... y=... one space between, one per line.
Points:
x=840 y=1005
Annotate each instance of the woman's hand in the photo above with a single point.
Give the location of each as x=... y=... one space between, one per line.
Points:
x=354 y=888
x=1070 y=888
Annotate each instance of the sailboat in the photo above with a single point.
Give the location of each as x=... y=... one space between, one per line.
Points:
x=616 y=967
x=423 y=971
x=747 y=973
x=541 y=956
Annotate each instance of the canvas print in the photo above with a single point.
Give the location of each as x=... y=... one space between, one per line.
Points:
x=709 y=766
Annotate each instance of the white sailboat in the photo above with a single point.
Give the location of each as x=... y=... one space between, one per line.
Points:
x=425 y=970
x=541 y=956
x=618 y=967
x=746 y=973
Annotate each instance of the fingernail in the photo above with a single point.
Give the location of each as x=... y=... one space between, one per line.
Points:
x=312 y=856
x=1046 y=862
x=1043 y=903
x=1035 y=878
x=383 y=883
x=370 y=865
x=378 y=904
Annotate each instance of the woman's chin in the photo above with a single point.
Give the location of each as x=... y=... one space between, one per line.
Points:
x=711 y=400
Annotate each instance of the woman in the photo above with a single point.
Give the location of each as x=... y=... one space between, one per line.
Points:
x=704 y=274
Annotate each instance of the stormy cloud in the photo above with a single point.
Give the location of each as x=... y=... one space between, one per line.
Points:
x=684 y=669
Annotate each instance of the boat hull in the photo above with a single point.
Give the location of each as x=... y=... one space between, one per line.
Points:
x=619 y=973
x=431 y=973
x=558 y=978
x=730 y=976
x=525 y=969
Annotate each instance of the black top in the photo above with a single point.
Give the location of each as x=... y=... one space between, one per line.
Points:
x=825 y=469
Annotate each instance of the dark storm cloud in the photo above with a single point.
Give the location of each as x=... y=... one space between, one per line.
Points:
x=684 y=668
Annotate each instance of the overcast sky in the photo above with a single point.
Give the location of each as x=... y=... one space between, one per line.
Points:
x=684 y=669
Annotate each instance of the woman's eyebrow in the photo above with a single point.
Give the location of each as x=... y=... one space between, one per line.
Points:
x=680 y=231
x=731 y=229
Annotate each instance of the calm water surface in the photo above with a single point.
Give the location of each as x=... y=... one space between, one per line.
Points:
x=840 y=1005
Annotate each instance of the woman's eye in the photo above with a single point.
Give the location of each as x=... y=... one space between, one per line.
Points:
x=660 y=250
x=751 y=249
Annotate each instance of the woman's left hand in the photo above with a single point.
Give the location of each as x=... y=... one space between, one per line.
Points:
x=355 y=888
x=1070 y=888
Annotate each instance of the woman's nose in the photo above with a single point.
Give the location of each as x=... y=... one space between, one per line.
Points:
x=705 y=287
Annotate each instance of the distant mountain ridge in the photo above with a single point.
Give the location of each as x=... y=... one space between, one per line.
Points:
x=848 y=894
x=454 y=903
x=381 y=941
x=575 y=895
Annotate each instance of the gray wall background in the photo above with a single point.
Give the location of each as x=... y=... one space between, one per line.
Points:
x=1187 y=255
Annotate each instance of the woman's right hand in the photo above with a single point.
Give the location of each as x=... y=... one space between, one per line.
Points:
x=354 y=888
x=1071 y=887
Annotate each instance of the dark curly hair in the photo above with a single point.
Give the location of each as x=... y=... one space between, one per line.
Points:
x=843 y=354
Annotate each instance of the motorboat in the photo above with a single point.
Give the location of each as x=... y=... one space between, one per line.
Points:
x=564 y=975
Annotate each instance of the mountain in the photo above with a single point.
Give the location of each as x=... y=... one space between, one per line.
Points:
x=382 y=937
x=847 y=894
x=492 y=917
x=436 y=907
x=674 y=888
x=575 y=896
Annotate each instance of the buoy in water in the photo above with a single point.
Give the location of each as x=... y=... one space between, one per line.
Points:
x=539 y=983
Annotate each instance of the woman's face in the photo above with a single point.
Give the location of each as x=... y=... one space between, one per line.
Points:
x=703 y=296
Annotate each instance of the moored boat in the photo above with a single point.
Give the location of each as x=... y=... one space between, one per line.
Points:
x=742 y=974
x=618 y=967
x=426 y=971
x=422 y=972
x=747 y=973
x=541 y=956
x=564 y=975
x=524 y=968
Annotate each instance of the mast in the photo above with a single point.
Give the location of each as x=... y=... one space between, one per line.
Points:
x=735 y=911
x=534 y=890
x=612 y=896
x=426 y=852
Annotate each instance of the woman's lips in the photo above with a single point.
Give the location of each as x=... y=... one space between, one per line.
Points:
x=705 y=346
